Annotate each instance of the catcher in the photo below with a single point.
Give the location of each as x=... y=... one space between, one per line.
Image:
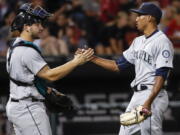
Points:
x=27 y=72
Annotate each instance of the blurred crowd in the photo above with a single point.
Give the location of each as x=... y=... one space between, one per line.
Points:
x=105 y=25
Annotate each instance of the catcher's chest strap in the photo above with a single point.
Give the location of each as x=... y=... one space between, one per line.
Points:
x=19 y=44
x=19 y=83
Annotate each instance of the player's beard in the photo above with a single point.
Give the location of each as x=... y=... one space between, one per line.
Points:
x=35 y=35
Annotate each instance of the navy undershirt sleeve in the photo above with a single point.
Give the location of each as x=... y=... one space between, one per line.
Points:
x=123 y=63
x=163 y=72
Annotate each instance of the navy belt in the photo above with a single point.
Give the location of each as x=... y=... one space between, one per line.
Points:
x=141 y=88
x=32 y=99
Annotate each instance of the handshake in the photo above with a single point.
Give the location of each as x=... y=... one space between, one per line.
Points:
x=83 y=55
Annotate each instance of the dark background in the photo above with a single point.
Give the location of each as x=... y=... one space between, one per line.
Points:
x=90 y=79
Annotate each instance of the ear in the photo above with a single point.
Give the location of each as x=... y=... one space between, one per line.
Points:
x=27 y=28
x=149 y=18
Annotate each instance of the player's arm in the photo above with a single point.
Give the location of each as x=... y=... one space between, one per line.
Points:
x=161 y=76
x=61 y=71
x=105 y=63
x=164 y=64
x=124 y=61
x=56 y=73
x=112 y=65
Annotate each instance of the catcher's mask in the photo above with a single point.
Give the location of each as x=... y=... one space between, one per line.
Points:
x=29 y=14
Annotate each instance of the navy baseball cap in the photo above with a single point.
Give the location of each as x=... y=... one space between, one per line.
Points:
x=148 y=8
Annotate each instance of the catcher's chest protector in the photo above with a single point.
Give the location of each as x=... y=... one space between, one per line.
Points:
x=40 y=83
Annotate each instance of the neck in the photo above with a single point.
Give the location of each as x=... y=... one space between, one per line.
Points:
x=149 y=30
x=26 y=36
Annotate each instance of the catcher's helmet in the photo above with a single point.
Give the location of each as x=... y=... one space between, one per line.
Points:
x=29 y=14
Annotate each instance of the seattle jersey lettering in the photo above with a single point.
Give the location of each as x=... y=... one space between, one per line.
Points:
x=143 y=55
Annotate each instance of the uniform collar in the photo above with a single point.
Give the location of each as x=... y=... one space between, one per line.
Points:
x=152 y=34
x=19 y=39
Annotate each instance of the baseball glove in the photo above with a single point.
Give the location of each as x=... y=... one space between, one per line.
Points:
x=135 y=116
x=55 y=101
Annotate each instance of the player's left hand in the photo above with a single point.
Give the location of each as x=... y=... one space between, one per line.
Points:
x=134 y=116
x=146 y=109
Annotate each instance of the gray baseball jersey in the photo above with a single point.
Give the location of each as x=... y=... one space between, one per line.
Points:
x=25 y=63
x=26 y=115
x=149 y=54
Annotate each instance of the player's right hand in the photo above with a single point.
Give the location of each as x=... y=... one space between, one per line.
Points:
x=79 y=51
x=83 y=56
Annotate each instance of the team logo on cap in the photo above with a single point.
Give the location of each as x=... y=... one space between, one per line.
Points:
x=166 y=53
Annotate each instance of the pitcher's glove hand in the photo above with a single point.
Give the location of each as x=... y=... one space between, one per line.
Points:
x=57 y=102
x=135 y=116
